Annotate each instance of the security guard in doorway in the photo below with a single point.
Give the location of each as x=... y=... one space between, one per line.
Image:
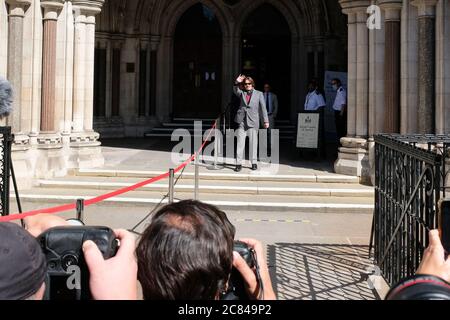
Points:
x=315 y=103
x=340 y=108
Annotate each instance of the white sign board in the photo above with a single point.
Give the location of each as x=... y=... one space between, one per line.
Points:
x=308 y=131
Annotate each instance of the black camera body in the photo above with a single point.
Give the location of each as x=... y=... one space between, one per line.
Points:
x=67 y=273
x=236 y=284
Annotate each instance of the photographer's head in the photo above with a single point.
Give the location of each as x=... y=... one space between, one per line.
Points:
x=186 y=252
x=22 y=264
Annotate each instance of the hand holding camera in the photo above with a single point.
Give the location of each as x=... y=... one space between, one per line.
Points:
x=260 y=289
x=106 y=271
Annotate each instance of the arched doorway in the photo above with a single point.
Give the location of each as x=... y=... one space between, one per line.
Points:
x=266 y=53
x=197 y=64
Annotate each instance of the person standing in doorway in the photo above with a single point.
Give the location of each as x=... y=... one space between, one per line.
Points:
x=315 y=103
x=340 y=109
x=271 y=100
x=252 y=106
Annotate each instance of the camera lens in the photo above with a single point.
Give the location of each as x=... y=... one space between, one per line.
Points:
x=69 y=260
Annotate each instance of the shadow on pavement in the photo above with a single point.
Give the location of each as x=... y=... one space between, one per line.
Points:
x=320 y=271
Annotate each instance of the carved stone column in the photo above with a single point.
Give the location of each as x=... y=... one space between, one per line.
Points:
x=83 y=104
x=17 y=10
x=427 y=65
x=353 y=158
x=51 y=11
x=392 y=10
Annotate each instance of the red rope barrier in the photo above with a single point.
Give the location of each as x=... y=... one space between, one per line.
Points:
x=110 y=195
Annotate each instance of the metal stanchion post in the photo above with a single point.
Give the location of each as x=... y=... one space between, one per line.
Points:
x=171 y=184
x=80 y=210
x=196 y=177
x=217 y=140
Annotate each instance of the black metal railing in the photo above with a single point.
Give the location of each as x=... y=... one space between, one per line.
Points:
x=6 y=139
x=410 y=178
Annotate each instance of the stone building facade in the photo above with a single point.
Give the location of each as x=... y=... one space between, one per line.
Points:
x=398 y=75
x=82 y=69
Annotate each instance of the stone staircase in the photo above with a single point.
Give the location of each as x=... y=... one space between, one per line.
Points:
x=321 y=193
x=287 y=131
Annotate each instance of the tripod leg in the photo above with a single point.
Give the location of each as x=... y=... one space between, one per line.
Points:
x=16 y=190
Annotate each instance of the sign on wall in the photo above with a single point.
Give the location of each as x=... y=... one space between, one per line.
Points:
x=308 y=131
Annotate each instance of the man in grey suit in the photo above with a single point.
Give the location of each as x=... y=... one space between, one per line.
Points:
x=272 y=111
x=252 y=107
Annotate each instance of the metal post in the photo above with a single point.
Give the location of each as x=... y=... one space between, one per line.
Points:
x=217 y=142
x=80 y=210
x=171 y=184
x=196 y=177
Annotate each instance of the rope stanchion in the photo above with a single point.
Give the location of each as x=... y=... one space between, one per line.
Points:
x=95 y=200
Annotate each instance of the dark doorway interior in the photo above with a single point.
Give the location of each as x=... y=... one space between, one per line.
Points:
x=266 y=53
x=197 y=64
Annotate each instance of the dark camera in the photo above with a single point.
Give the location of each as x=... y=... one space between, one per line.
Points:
x=67 y=273
x=236 y=284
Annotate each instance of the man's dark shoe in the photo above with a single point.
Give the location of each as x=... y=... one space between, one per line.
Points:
x=238 y=169
x=254 y=167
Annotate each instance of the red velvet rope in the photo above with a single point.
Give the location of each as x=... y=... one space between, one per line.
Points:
x=110 y=195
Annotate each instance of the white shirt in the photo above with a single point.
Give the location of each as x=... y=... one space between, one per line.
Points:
x=314 y=101
x=341 y=99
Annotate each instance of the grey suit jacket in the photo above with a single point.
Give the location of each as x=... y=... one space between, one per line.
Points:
x=251 y=112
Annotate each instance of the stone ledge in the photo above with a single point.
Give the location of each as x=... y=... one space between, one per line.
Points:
x=83 y=139
x=49 y=141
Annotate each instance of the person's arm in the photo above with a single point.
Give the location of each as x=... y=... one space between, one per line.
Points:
x=263 y=111
x=37 y=225
x=344 y=103
x=236 y=90
x=434 y=262
x=249 y=275
x=431 y=279
x=115 y=278
x=321 y=101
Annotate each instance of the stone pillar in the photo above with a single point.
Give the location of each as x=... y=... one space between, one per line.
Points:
x=17 y=10
x=351 y=82
x=154 y=46
x=108 y=79
x=427 y=63
x=353 y=158
x=3 y=39
x=443 y=67
x=84 y=56
x=79 y=73
x=90 y=59
x=409 y=69
x=51 y=11
x=377 y=79
x=362 y=73
x=392 y=10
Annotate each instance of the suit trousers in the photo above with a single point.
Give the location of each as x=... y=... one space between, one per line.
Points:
x=242 y=132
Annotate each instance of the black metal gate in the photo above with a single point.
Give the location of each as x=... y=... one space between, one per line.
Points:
x=410 y=178
x=6 y=139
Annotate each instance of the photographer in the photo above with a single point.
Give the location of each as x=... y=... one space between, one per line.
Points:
x=112 y=279
x=186 y=253
x=431 y=281
x=22 y=264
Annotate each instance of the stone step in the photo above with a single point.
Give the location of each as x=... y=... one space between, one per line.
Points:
x=211 y=187
x=169 y=135
x=256 y=176
x=208 y=125
x=47 y=197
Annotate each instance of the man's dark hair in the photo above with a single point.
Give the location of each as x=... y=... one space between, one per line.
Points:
x=338 y=81
x=186 y=253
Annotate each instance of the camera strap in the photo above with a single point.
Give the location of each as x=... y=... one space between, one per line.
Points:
x=258 y=275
